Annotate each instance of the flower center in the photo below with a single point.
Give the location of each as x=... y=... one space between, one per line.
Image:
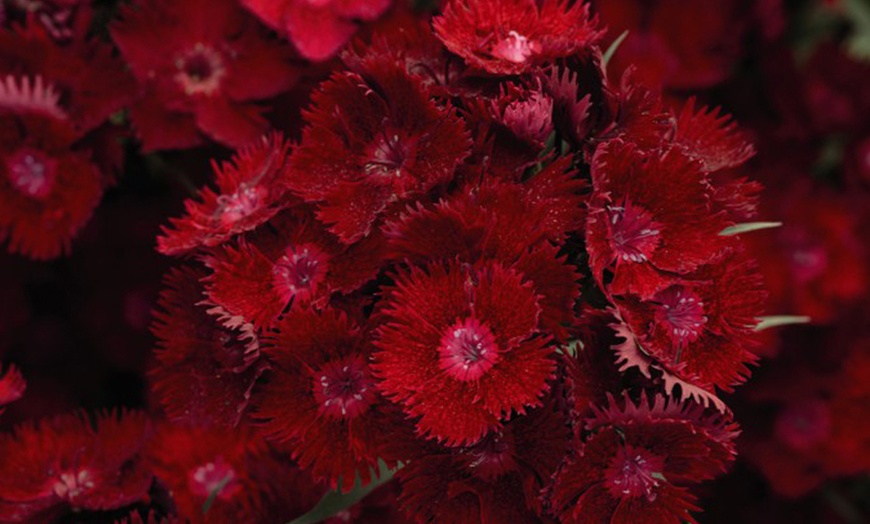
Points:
x=71 y=485
x=804 y=424
x=215 y=477
x=299 y=272
x=634 y=232
x=344 y=388
x=468 y=350
x=31 y=172
x=634 y=472
x=239 y=205
x=200 y=70
x=388 y=155
x=492 y=457
x=681 y=312
x=515 y=48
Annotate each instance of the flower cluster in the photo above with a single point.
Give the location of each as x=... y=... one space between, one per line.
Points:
x=495 y=263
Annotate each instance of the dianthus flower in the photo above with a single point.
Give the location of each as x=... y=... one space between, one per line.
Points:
x=322 y=397
x=700 y=329
x=639 y=461
x=460 y=348
x=389 y=141
x=294 y=263
x=650 y=218
x=69 y=464
x=318 y=29
x=12 y=386
x=249 y=193
x=234 y=469
x=516 y=224
x=498 y=479
x=201 y=65
x=48 y=190
x=513 y=36
x=204 y=369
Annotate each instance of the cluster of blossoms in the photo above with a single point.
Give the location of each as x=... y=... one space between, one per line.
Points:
x=488 y=261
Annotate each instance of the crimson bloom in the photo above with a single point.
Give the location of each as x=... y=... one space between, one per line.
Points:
x=460 y=348
x=321 y=399
x=650 y=218
x=12 y=386
x=67 y=463
x=234 y=469
x=639 y=461
x=294 y=263
x=698 y=330
x=249 y=194
x=200 y=65
x=511 y=37
x=498 y=479
x=204 y=369
x=388 y=139
x=317 y=29
x=48 y=190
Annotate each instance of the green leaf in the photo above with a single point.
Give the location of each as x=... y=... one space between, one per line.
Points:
x=780 y=320
x=335 y=501
x=659 y=476
x=747 y=227
x=215 y=492
x=572 y=347
x=613 y=47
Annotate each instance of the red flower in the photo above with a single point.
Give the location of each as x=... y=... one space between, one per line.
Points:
x=200 y=65
x=294 y=263
x=47 y=190
x=321 y=399
x=458 y=348
x=92 y=83
x=674 y=44
x=497 y=480
x=249 y=194
x=638 y=462
x=699 y=330
x=512 y=223
x=511 y=37
x=234 y=469
x=387 y=139
x=317 y=29
x=816 y=263
x=67 y=463
x=204 y=371
x=712 y=138
x=12 y=386
x=650 y=218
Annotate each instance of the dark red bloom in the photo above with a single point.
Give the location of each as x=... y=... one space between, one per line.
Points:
x=700 y=329
x=321 y=399
x=91 y=82
x=516 y=224
x=674 y=44
x=650 y=218
x=496 y=480
x=388 y=141
x=68 y=463
x=458 y=348
x=512 y=37
x=47 y=189
x=234 y=469
x=204 y=369
x=12 y=386
x=317 y=29
x=249 y=193
x=294 y=263
x=712 y=138
x=639 y=461
x=200 y=65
